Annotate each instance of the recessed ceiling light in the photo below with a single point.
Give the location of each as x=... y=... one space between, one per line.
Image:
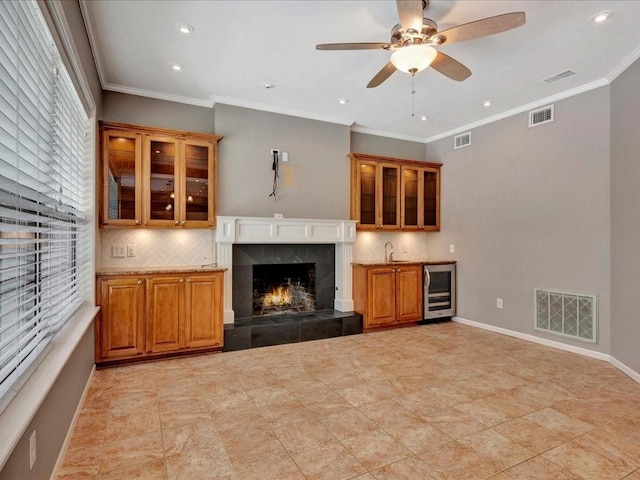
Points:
x=184 y=28
x=487 y=103
x=177 y=67
x=423 y=118
x=269 y=86
x=343 y=101
x=601 y=16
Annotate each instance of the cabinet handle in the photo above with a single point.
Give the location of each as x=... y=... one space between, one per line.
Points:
x=176 y=222
x=399 y=270
x=188 y=280
x=139 y=282
x=183 y=222
x=137 y=222
x=182 y=280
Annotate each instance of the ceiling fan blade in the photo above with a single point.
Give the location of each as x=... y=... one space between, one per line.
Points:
x=410 y=13
x=482 y=28
x=451 y=68
x=382 y=75
x=351 y=46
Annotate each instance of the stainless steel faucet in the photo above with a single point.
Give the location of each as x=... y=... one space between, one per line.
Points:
x=388 y=257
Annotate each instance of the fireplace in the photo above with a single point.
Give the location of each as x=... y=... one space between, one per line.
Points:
x=333 y=282
x=283 y=289
x=264 y=274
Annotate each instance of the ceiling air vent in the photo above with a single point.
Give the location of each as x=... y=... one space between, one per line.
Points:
x=560 y=76
x=540 y=116
x=462 y=140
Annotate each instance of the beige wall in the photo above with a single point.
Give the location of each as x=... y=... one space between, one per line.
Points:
x=387 y=147
x=529 y=207
x=625 y=219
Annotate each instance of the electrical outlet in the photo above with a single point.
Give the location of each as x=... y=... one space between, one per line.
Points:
x=274 y=151
x=278 y=215
x=32 y=450
x=404 y=248
x=131 y=250
x=118 y=251
x=452 y=248
x=498 y=303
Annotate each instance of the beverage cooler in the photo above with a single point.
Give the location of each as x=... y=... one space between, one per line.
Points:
x=439 y=291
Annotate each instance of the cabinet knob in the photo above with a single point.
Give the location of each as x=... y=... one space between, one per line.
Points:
x=139 y=282
x=182 y=280
x=176 y=222
x=183 y=222
x=399 y=270
x=137 y=222
x=188 y=280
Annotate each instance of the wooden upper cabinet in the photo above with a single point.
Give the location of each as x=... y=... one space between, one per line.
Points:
x=121 y=177
x=420 y=198
x=394 y=194
x=157 y=177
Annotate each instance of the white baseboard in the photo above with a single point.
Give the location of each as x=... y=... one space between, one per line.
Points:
x=72 y=426
x=624 y=369
x=551 y=343
x=533 y=338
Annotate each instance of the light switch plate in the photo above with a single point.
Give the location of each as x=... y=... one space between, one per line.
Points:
x=452 y=248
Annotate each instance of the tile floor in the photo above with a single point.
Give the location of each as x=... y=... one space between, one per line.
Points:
x=442 y=401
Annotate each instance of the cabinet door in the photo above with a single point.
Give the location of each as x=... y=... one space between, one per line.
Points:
x=381 y=296
x=408 y=293
x=204 y=311
x=122 y=317
x=162 y=188
x=121 y=178
x=430 y=199
x=198 y=184
x=411 y=198
x=364 y=194
x=165 y=313
x=389 y=197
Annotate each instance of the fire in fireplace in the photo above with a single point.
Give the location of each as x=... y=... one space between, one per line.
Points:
x=280 y=289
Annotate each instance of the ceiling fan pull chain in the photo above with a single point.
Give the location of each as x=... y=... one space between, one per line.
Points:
x=413 y=94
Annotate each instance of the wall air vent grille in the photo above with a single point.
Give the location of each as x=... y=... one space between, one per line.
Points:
x=560 y=76
x=540 y=116
x=567 y=314
x=462 y=140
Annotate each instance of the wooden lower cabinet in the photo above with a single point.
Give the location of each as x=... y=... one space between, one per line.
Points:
x=154 y=315
x=122 y=317
x=387 y=295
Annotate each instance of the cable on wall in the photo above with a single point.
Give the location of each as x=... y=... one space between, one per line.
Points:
x=274 y=166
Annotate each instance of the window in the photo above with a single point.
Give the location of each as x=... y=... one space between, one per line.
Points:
x=45 y=238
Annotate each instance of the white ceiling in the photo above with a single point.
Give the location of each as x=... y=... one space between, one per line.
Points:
x=237 y=46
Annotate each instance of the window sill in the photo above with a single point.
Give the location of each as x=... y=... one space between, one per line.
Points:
x=16 y=417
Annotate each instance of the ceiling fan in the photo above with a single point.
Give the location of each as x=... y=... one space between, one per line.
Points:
x=413 y=42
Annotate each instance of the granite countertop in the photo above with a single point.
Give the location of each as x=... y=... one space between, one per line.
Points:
x=400 y=261
x=148 y=270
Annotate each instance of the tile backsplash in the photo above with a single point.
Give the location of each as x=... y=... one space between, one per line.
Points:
x=369 y=246
x=154 y=247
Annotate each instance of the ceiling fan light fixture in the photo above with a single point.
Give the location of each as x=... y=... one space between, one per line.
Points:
x=413 y=58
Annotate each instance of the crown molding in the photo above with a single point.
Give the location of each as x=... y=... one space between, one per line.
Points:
x=383 y=133
x=521 y=109
x=626 y=63
x=141 y=92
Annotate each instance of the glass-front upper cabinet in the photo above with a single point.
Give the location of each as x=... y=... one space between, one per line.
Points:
x=121 y=175
x=156 y=177
x=162 y=193
x=394 y=194
x=390 y=196
x=431 y=199
x=198 y=174
x=420 y=198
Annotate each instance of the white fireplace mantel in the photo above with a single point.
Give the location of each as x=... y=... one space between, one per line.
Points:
x=264 y=230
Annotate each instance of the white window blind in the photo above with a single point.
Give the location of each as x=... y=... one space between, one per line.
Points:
x=45 y=257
